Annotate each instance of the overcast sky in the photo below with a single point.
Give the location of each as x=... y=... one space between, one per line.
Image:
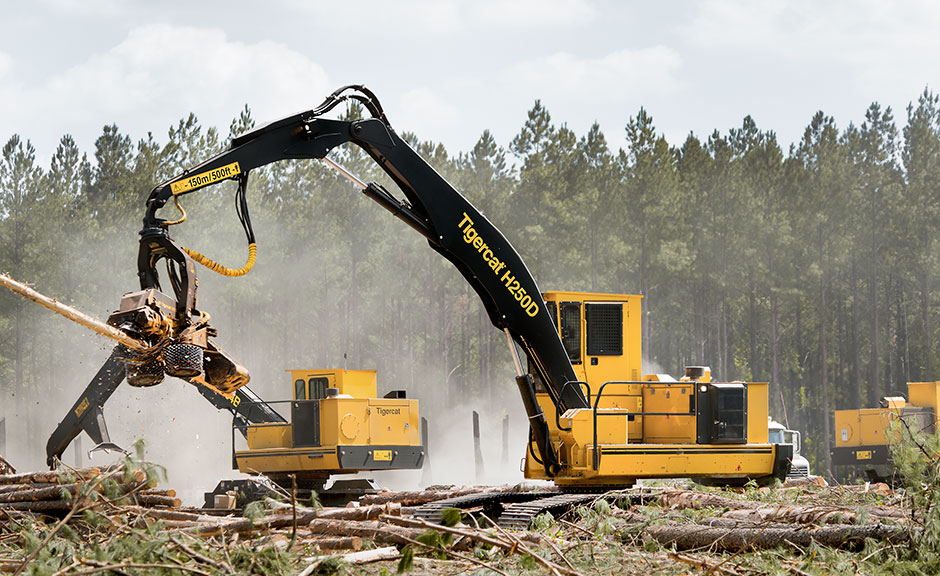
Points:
x=448 y=69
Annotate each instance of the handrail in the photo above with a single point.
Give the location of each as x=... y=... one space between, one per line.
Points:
x=597 y=399
x=251 y=406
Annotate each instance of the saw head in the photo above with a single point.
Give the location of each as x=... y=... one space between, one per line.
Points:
x=181 y=349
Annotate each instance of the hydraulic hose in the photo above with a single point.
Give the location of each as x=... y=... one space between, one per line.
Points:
x=224 y=270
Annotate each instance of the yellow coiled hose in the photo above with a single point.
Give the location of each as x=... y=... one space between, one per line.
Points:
x=223 y=270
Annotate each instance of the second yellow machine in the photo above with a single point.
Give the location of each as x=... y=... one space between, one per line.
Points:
x=337 y=425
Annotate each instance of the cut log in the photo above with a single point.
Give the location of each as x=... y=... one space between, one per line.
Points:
x=378 y=532
x=366 y=556
x=32 y=486
x=53 y=492
x=355 y=558
x=40 y=506
x=56 y=492
x=151 y=500
x=71 y=476
x=796 y=514
x=169 y=492
x=700 y=500
x=691 y=536
x=758 y=511
x=337 y=542
x=423 y=496
x=361 y=513
x=50 y=477
x=245 y=525
x=163 y=514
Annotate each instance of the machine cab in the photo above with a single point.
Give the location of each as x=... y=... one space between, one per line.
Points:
x=601 y=335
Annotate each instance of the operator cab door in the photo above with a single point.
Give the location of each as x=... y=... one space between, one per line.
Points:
x=305 y=409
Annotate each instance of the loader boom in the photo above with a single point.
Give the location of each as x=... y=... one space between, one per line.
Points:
x=452 y=226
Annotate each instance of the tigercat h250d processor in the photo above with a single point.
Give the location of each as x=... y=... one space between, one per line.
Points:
x=337 y=426
x=595 y=421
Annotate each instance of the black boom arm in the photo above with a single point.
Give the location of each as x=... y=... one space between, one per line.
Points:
x=434 y=208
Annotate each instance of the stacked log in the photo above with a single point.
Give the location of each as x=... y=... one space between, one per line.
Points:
x=61 y=491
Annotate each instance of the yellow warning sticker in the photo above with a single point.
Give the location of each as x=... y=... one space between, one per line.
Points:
x=82 y=406
x=205 y=178
x=863 y=455
x=382 y=455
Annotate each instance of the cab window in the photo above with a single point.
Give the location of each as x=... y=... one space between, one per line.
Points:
x=300 y=391
x=571 y=330
x=318 y=387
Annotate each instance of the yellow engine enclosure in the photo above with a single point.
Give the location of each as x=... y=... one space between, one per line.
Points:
x=353 y=430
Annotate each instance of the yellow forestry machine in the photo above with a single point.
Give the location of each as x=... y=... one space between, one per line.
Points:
x=861 y=445
x=596 y=421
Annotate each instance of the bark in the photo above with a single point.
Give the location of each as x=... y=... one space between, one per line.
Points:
x=176 y=515
x=58 y=491
x=337 y=543
x=65 y=310
x=753 y=360
x=876 y=384
x=160 y=492
x=17 y=487
x=691 y=536
x=750 y=510
x=151 y=500
x=795 y=514
x=774 y=338
x=53 y=477
x=379 y=532
x=40 y=506
x=246 y=525
x=856 y=352
x=419 y=497
x=700 y=500
x=925 y=317
x=54 y=492
x=360 y=513
x=824 y=356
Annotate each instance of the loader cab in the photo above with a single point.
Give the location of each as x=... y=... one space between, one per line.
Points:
x=600 y=333
x=316 y=384
x=312 y=388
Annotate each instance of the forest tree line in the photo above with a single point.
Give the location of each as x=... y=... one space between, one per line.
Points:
x=812 y=267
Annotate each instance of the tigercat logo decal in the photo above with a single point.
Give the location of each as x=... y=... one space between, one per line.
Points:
x=205 y=178
x=388 y=411
x=472 y=237
x=82 y=406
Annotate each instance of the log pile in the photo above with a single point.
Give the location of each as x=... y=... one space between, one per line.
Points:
x=663 y=529
x=79 y=489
